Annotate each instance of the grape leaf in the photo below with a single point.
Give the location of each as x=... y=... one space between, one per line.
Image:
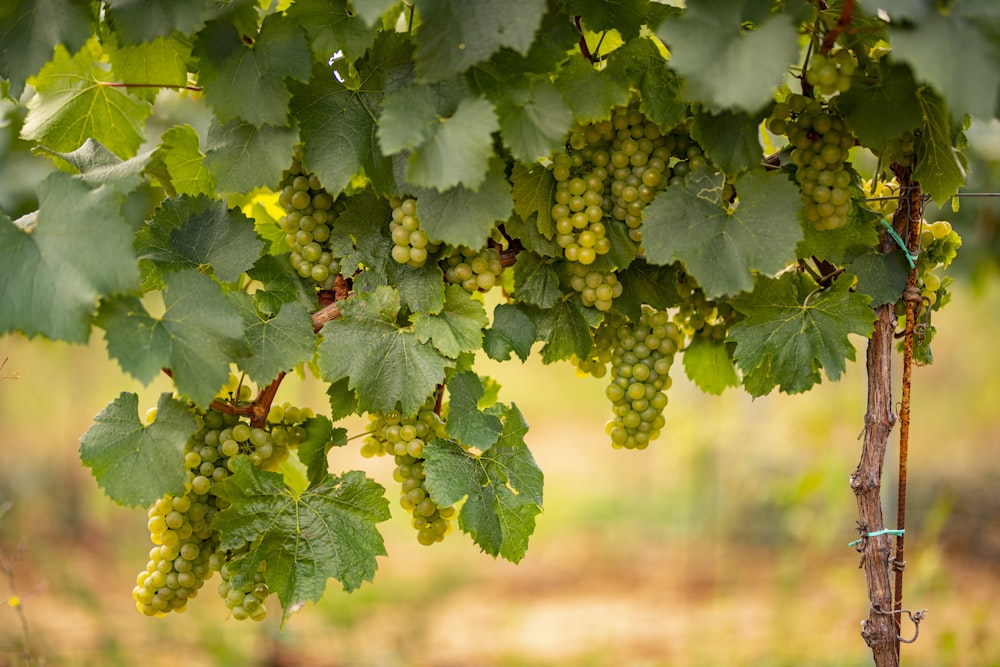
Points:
x=137 y=464
x=321 y=437
x=184 y=162
x=720 y=248
x=533 y=189
x=457 y=328
x=98 y=166
x=625 y=16
x=386 y=364
x=59 y=260
x=462 y=216
x=536 y=281
x=590 y=93
x=372 y=10
x=856 y=237
x=512 y=331
x=565 y=330
x=156 y=64
x=333 y=27
x=799 y=329
x=196 y=232
x=197 y=337
x=708 y=365
x=72 y=104
x=456 y=34
x=144 y=20
x=730 y=139
x=724 y=65
x=248 y=81
x=326 y=532
x=343 y=401
x=879 y=110
x=280 y=285
x=276 y=344
x=421 y=289
x=466 y=422
x=534 y=120
x=410 y=112
x=939 y=170
x=31 y=29
x=241 y=157
x=882 y=276
x=641 y=62
x=947 y=69
x=502 y=488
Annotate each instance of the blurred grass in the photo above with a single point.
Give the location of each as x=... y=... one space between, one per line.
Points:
x=724 y=543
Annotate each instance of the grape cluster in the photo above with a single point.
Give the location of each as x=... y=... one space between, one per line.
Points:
x=307 y=224
x=640 y=376
x=404 y=437
x=596 y=288
x=697 y=315
x=411 y=246
x=246 y=601
x=475 y=270
x=831 y=73
x=939 y=245
x=186 y=548
x=820 y=142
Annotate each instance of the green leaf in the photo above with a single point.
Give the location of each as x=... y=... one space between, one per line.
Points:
x=949 y=69
x=241 y=157
x=421 y=289
x=725 y=65
x=137 y=464
x=466 y=422
x=305 y=539
x=512 y=331
x=644 y=283
x=462 y=216
x=197 y=336
x=590 y=93
x=708 y=365
x=882 y=276
x=72 y=104
x=457 y=328
x=321 y=437
x=53 y=272
x=247 y=81
x=372 y=10
x=565 y=330
x=730 y=139
x=457 y=150
x=858 y=236
x=533 y=189
x=156 y=64
x=184 y=162
x=502 y=488
x=385 y=364
x=343 y=401
x=534 y=120
x=456 y=34
x=625 y=16
x=97 y=166
x=722 y=249
x=31 y=29
x=280 y=285
x=641 y=62
x=198 y=232
x=799 y=329
x=277 y=343
x=333 y=27
x=939 y=170
x=536 y=281
x=879 y=110
x=144 y=20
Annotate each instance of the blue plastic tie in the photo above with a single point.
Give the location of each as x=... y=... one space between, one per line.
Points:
x=886 y=531
x=910 y=257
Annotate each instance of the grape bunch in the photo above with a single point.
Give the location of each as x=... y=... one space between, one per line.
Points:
x=697 y=315
x=186 y=548
x=831 y=73
x=596 y=288
x=640 y=375
x=475 y=270
x=245 y=601
x=939 y=245
x=820 y=142
x=310 y=212
x=404 y=437
x=411 y=245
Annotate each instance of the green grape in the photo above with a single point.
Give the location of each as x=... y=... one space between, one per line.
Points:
x=310 y=212
x=596 y=288
x=474 y=270
x=596 y=364
x=640 y=376
x=411 y=245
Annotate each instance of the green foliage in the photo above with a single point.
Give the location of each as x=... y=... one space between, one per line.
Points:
x=551 y=149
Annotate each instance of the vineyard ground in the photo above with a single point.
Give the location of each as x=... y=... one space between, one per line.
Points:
x=723 y=544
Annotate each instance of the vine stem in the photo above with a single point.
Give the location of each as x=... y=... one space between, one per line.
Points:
x=842 y=24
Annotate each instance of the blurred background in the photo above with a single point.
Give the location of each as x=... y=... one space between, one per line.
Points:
x=724 y=543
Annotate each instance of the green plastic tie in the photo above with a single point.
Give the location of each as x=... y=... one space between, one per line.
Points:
x=910 y=257
x=886 y=531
